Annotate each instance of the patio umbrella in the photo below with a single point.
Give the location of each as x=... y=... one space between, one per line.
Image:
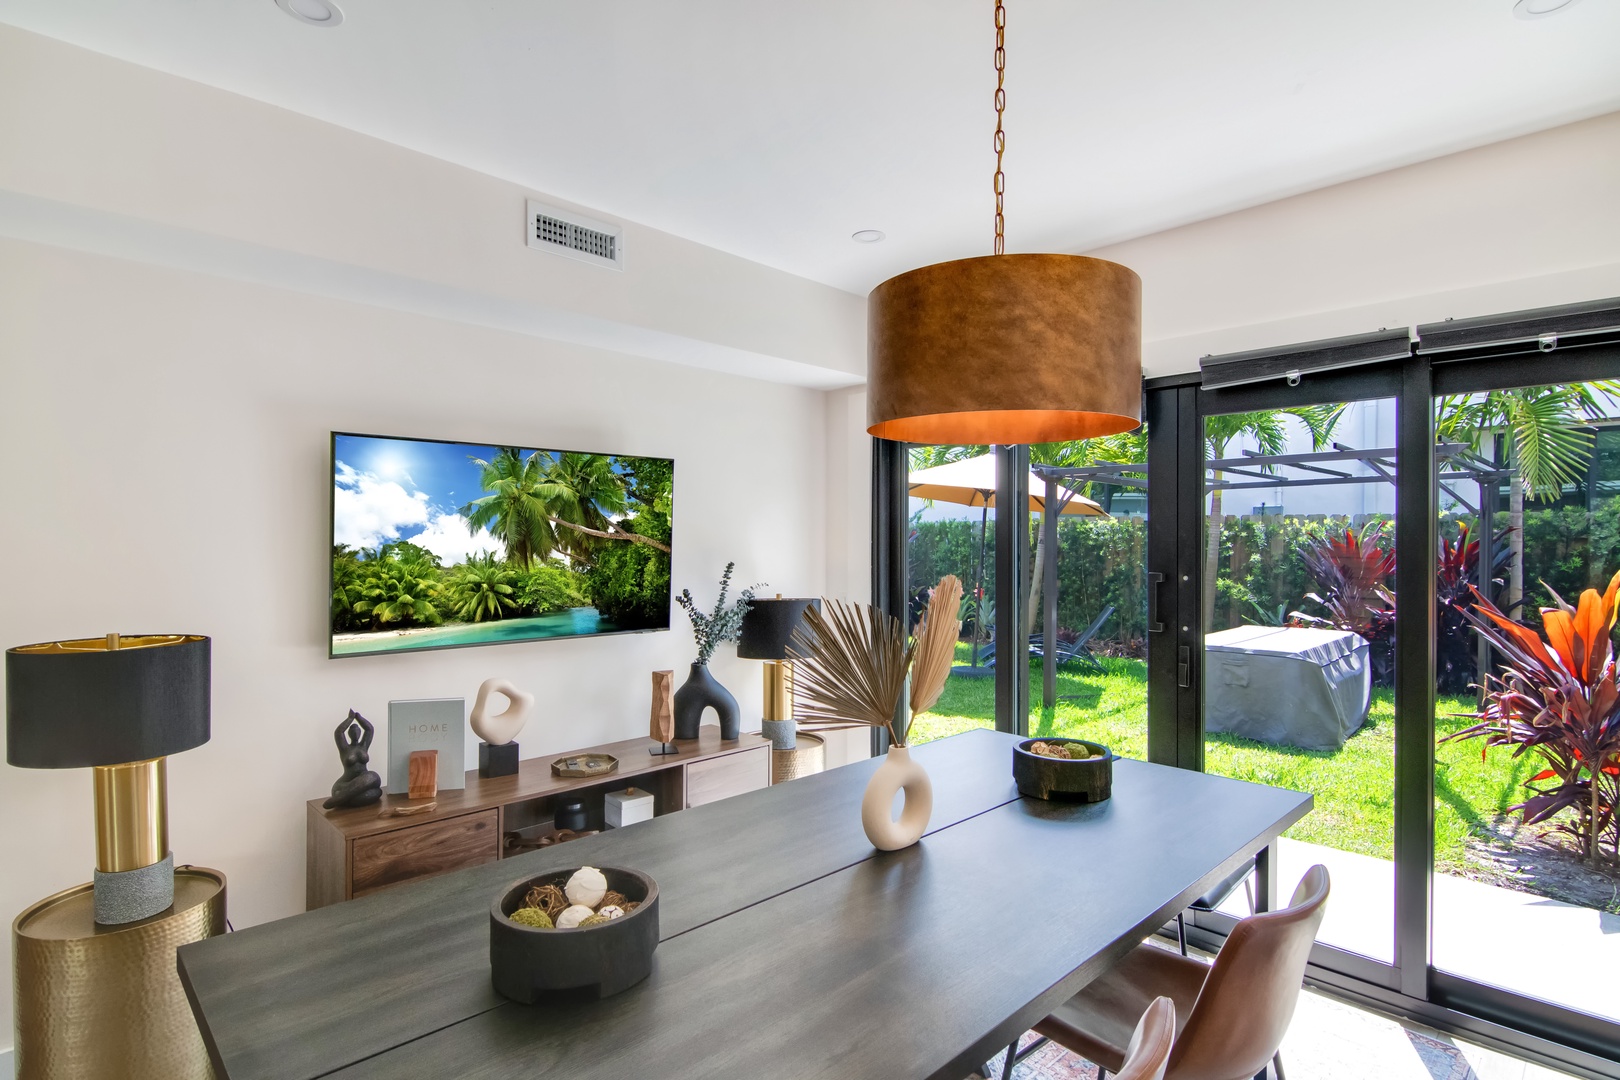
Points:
x=972 y=482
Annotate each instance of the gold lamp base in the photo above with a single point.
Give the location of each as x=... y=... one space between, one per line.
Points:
x=101 y=1001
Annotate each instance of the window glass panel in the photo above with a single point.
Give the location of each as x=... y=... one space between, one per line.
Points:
x=1099 y=688
x=1298 y=609
x=952 y=530
x=1530 y=491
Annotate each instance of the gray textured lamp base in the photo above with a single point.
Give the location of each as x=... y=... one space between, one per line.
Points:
x=131 y=895
x=781 y=733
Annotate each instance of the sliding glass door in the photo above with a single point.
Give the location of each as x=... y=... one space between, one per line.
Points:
x=1526 y=886
x=1311 y=557
x=1298 y=612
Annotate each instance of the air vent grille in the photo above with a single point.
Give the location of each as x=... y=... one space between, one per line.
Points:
x=575 y=236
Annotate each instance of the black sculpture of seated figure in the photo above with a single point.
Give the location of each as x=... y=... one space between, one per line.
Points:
x=358 y=786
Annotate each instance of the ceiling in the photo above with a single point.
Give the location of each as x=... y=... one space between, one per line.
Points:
x=775 y=130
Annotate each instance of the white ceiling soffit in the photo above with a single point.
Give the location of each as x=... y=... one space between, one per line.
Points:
x=774 y=131
x=43 y=221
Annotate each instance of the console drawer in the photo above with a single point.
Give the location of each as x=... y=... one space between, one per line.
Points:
x=419 y=850
x=720 y=778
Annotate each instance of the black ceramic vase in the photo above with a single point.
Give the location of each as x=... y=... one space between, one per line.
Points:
x=702 y=691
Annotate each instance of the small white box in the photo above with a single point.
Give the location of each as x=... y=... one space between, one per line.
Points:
x=627 y=807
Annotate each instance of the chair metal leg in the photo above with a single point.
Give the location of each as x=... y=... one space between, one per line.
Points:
x=1181 y=931
x=1012 y=1061
x=1276 y=1062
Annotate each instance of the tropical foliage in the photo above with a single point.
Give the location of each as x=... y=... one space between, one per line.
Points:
x=576 y=530
x=1558 y=698
x=628 y=582
x=1354 y=572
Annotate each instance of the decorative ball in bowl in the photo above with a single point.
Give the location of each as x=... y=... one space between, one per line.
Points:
x=588 y=932
x=1071 y=769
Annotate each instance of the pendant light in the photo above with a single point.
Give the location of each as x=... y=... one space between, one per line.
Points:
x=1005 y=348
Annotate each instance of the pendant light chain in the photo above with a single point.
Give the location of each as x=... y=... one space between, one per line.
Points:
x=1000 y=183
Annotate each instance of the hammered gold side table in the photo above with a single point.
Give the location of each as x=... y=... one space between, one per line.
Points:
x=95 y=1001
x=809 y=756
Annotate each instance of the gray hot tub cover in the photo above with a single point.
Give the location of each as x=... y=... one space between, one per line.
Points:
x=1294 y=686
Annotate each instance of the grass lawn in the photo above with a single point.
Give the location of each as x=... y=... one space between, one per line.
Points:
x=1354 y=786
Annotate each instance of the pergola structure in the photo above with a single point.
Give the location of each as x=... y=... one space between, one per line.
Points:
x=1456 y=463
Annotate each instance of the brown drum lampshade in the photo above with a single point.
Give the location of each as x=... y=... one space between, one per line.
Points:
x=1005 y=349
x=83 y=703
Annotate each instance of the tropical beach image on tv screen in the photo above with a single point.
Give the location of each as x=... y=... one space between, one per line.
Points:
x=439 y=544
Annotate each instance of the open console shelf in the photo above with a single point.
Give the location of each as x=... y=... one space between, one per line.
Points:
x=358 y=851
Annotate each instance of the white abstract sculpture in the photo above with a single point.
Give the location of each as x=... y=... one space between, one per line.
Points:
x=502 y=727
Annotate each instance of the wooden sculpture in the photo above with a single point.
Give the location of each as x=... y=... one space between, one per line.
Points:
x=424 y=774
x=662 y=726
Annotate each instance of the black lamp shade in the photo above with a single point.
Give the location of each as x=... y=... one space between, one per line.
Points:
x=74 y=704
x=768 y=627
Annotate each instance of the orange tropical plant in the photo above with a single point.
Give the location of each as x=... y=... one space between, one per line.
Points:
x=1559 y=698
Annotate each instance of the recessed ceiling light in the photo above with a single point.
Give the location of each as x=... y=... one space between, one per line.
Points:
x=321 y=12
x=867 y=236
x=1540 y=9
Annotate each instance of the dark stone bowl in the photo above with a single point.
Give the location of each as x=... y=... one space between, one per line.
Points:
x=527 y=963
x=1041 y=777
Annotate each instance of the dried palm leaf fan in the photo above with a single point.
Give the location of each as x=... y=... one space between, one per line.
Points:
x=852 y=662
x=1005 y=348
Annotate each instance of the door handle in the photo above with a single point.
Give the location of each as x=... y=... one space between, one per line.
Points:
x=1154 y=625
x=1184 y=666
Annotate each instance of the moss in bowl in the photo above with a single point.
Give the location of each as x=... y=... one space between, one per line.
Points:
x=529 y=962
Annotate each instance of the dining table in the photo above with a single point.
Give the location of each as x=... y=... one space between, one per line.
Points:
x=788 y=945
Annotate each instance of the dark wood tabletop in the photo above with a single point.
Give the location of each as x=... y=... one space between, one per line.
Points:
x=789 y=946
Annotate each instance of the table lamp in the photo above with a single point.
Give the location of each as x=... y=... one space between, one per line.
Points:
x=118 y=705
x=767 y=628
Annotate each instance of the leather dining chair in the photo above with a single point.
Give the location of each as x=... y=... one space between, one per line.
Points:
x=1231 y=1014
x=1146 y=1055
x=1149 y=1051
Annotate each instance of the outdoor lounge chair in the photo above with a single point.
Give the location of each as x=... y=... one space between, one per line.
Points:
x=985 y=667
x=1078 y=649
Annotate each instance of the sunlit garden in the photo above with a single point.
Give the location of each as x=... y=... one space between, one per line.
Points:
x=1354 y=786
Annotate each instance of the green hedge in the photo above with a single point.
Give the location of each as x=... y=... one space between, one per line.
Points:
x=1101 y=562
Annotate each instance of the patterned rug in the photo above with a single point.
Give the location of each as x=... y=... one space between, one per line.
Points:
x=1441 y=1061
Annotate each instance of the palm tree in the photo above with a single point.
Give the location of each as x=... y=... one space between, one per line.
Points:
x=517 y=509
x=1549 y=444
x=402 y=589
x=1125 y=448
x=348 y=584
x=1270 y=436
x=482 y=589
x=583 y=494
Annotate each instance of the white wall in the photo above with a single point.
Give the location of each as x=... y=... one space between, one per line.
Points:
x=1523 y=223
x=163 y=462
x=196 y=288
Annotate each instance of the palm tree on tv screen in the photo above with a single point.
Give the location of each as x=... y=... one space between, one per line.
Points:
x=517 y=510
x=583 y=491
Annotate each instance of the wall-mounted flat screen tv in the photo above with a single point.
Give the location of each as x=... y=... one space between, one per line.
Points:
x=444 y=544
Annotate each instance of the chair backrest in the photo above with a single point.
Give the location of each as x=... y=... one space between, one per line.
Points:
x=1247 y=1001
x=1149 y=1051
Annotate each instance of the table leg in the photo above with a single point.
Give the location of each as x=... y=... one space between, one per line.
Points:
x=1265 y=878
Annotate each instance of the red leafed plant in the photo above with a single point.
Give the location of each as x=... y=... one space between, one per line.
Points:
x=1559 y=698
x=1353 y=572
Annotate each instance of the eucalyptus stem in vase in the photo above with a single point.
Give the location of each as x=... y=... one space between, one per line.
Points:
x=702 y=691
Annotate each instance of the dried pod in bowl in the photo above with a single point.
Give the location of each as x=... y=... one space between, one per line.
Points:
x=586 y=887
x=572 y=917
